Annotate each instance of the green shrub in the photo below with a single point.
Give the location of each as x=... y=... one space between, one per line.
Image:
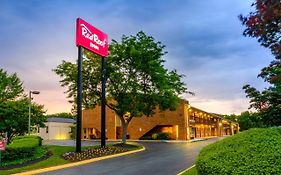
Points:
x=164 y=136
x=22 y=147
x=256 y=151
x=146 y=138
x=23 y=140
x=154 y=136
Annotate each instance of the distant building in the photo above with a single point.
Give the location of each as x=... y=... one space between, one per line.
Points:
x=56 y=129
x=185 y=123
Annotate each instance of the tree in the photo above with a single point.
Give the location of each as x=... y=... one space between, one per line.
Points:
x=249 y=120
x=231 y=117
x=62 y=115
x=14 y=117
x=137 y=82
x=265 y=25
x=14 y=107
x=10 y=86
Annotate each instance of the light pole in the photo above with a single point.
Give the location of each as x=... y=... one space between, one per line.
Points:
x=29 y=112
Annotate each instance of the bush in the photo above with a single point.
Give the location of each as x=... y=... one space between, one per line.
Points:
x=256 y=151
x=22 y=147
x=146 y=138
x=164 y=136
x=154 y=136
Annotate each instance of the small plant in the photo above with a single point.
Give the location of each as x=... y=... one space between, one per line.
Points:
x=154 y=136
x=164 y=136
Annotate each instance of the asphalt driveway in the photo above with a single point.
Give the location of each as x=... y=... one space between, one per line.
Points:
x=158 y=158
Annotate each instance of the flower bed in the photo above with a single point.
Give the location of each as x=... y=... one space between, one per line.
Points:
x=96 y=152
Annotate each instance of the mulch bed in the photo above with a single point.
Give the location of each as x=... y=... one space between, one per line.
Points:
x=92 y=153
x=49 y=154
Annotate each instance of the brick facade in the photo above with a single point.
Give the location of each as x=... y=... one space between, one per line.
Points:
x=184 y=123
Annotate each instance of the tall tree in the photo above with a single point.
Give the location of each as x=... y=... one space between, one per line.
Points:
x=265 y=25
x=137 y=82
x=14 y=117
x=14 y=107
x=249 y=120
x=62 y=115
x=10 y=86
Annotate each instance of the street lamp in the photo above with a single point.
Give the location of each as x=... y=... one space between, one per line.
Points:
x=29 y=112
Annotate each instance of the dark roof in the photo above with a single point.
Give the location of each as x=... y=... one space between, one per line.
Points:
x=61 y=120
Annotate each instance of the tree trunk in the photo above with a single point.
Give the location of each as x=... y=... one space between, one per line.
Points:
x=9 y=136
x=124 y=132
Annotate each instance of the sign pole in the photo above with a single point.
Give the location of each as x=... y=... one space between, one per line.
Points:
x=79 y=100
x=96 y=41
x=103 y=79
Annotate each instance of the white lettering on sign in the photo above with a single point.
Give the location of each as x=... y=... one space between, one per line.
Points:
x=94 y=46
x=93 y=37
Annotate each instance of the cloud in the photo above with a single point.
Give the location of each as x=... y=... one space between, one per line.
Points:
x=203 y=39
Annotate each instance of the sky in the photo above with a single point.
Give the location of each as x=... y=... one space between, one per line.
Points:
x=203 y=39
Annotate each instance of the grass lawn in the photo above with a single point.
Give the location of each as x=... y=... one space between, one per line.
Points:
x=191 y=171
x=55 y=159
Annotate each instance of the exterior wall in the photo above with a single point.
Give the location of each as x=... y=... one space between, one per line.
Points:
x=184 y=123
x=56 y=131
x=177 y=119
x=204 y=124
x=91 y=119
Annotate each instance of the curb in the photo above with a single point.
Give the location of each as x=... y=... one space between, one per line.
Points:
x=186 y=170
x=171 y=141
x=68 y=165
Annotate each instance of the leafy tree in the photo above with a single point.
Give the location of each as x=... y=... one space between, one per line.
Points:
x=231 y=117
x=137 y=81
x=62 y=115
x=14 y=117
x=265 y=24
x=14 y=107
x=10 y=86
x=249 y=120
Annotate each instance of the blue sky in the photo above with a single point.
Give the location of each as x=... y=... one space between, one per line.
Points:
x=203 y=39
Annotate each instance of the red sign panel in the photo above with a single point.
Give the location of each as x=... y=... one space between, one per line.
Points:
x=91 y=38
x=2 y=145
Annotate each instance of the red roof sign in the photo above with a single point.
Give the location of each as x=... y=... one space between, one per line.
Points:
x=91 y=38
x=2 y=145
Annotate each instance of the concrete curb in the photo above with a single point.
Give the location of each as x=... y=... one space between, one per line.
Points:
x=186 y=170
x=68 y=165
x=171 y=141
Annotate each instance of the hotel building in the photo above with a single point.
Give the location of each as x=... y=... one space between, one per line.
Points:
x=185 y=123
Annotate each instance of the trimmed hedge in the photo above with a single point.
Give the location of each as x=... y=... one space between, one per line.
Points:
x=158 y=136
x=256 y=151
x=164 y=136
x=31 y=138
x=22 y=148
